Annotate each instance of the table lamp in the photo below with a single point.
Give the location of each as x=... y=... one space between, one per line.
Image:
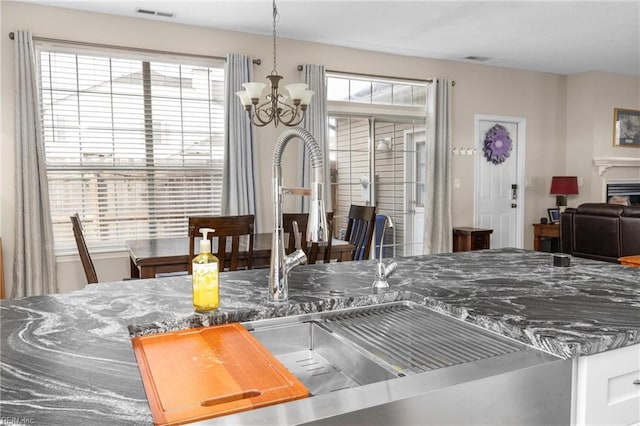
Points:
x=561 y=186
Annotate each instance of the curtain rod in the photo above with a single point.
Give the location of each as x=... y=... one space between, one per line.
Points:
x=135 y=49
x=429 y=80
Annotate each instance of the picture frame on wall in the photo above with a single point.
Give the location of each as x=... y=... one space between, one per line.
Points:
x=554 y=215
x=626 y=127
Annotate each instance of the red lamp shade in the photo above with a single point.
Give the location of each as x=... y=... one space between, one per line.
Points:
x=561 y=186
x=564 y=185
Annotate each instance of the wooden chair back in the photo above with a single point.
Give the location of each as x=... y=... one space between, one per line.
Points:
x=360 y=223
x=83 y=251
x=232 y=227
x=311 y=250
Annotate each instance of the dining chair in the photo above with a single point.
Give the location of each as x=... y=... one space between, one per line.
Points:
x=233 y=227
x=311 y=250
x=360 y=224
x=85 y=257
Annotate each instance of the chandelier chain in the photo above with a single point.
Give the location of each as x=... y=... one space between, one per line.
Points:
x=275 y=17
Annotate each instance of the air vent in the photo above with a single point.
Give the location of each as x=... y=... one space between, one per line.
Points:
x=156 y=13
x=477 y=58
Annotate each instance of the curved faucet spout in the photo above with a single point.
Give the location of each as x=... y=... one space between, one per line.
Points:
x=317 y=230
x=380 y=284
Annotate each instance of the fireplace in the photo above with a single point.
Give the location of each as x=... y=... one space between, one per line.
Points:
x=626 y=193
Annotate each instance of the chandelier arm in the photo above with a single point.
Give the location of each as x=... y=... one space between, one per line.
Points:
x=254 y=122
x=292 y=121
x=286 y=110
x=266 y=112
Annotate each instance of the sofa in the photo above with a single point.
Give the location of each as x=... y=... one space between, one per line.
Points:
x=601 y=231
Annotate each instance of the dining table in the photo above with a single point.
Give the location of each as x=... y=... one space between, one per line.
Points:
x=152 y=257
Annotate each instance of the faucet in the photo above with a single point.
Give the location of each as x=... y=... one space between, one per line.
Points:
x=383 y=272
x=317 y=229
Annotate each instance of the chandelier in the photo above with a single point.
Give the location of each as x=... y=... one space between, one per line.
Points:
x=275 y=107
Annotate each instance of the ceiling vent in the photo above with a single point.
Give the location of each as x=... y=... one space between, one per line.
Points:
x=156 y=13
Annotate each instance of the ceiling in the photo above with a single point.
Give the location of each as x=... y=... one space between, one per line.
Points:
x=550 y=36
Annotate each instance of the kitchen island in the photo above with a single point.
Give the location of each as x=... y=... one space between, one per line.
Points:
x=67 y=359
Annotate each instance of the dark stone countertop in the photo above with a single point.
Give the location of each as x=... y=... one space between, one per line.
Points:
x=67 y=359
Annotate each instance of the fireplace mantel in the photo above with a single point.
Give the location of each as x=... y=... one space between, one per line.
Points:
x=604 y=163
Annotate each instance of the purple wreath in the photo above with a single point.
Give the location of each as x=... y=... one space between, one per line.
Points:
x=497 y=144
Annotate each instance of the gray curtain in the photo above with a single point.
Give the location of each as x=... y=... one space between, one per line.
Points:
x=34 y=264
x=315 y=121
x=239 y=195
x=437 y=210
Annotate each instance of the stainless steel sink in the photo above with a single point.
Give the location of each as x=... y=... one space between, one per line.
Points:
x=402 y=363
x=353 y=347
x=323 y=361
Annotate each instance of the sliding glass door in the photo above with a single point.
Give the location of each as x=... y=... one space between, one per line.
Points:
x=376 y=161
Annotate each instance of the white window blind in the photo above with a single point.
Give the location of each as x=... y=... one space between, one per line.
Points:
x=134 y=145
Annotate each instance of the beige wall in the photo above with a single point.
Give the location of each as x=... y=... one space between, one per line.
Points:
x=590 y=102
x=539 y=97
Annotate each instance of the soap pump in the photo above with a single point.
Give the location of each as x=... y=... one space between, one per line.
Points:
x=206 y=292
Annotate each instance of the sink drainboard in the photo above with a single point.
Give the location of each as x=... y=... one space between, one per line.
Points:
x=414 y=339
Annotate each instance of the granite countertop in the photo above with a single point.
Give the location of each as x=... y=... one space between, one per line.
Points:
x=67 y=359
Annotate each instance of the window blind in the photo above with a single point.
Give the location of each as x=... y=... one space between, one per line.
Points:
x=134 y=145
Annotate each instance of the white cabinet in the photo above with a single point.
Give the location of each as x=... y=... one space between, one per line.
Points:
x=604 y=390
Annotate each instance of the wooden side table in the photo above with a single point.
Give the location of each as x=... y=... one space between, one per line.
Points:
x=544 y=230
x=633 y=261
x=467 y=239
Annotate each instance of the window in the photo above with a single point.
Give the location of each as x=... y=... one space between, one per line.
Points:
x=376 y=91
x=134 y=142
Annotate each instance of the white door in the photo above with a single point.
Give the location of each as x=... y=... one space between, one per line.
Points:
x=415 y=175
x=499 y=200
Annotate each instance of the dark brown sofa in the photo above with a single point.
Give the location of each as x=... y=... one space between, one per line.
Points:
x=600 y=231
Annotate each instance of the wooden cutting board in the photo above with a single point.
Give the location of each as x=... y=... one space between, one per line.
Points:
x=200 y=373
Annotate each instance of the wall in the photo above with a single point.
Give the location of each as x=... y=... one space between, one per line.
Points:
x=539 y=97
x=591 y=98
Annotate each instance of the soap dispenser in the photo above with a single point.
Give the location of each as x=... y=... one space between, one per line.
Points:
x=206 y=293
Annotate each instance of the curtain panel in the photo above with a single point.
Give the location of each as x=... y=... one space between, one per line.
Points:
x=34 y=264
x=437 y=236
x=315 y=121
x=239 y=195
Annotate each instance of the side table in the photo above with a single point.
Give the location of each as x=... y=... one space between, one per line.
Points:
x=544 y=231
x=467 y=239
